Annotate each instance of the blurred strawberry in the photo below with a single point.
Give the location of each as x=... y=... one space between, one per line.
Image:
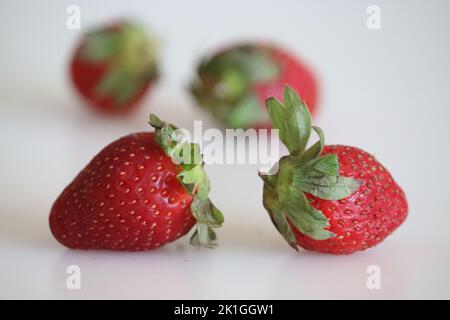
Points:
x=114 y=66
x=234 y=83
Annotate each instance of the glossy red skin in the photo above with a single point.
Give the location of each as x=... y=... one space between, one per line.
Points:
x=127 y=198
x=86 y=76
x=293 y=73
x=366 y=217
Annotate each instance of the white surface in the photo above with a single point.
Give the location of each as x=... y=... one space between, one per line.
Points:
x=385 y=91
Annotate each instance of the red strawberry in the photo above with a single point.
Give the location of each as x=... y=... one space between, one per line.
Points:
x=234 y=83
x=113 y=67
x=138 y=193
x=332 y=199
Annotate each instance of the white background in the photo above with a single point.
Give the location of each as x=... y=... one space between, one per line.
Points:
x=385 y=91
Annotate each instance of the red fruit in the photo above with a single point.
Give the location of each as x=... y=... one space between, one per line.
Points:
x=114 y=67
x=366 y=217
x=132 y=196
x=332 y=199
x=234 y=83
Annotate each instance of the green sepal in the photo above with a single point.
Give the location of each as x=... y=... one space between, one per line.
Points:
x=320 y=177
x=248 y=110
x=100 y=46
x=208 y=217
x=165 y=134
x=306 y=219
x=118 y=84
x=270 y=202
x=292 y=119
x=302 y=171
x=224 y=82
x=282 y=198
x=198 y=178
x=234 y=83
x=131 y=57
x=256 y=62
x=193 y=178
x=316 y=149
x=203 y=236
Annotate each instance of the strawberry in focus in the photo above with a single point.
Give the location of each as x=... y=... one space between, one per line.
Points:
x=114 y=67
x=140 y=192
x=333 y=199
x=234 y=83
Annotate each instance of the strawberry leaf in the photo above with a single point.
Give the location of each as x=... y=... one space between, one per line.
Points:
x=270 y=202
x=116 y=83
x=291 y=204
x=320 y=177
x=208 y=217
x=206 y=213
x=247 y=111
x=193 y=178
x=302 y=171
x=316 y=149
x=198 y=178
x=225 y=81
x=100 y=46
x=342 y=188
x=306 y=219
x=292 y=119
x=256 y=62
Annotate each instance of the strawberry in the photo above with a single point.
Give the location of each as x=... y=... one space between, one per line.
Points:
x=114 y=67
x=334 y=199
x=140 y=192
x=234 y=83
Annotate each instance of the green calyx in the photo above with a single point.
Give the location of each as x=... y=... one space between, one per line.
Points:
x=131 y=56
x=224 y=84
x=304 y=170
x=193 y=178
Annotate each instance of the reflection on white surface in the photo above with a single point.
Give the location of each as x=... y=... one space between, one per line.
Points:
x=256 y=267
x=384 y=91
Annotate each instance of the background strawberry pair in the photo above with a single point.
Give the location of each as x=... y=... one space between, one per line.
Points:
x=114 y=66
